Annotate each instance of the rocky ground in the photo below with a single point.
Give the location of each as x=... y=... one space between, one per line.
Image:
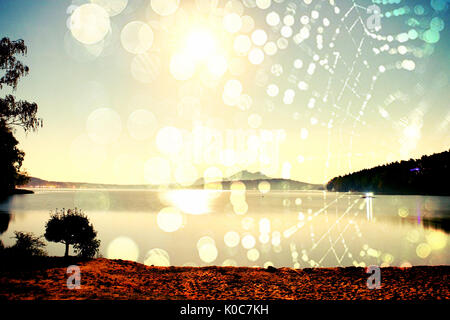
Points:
x=117 y=279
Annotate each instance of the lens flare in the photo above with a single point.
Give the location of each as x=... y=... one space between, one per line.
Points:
x=231 y=239
x=89 y=23
x=157 y=257
x=165 y=7
x=122 y=248
x=182 y=66
x=207 y=249
x=104 y=126
x=169 y=219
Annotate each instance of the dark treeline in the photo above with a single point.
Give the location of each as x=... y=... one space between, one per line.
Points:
x=429 y=175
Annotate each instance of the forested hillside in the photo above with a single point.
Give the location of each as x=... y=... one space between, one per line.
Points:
x=429 y=175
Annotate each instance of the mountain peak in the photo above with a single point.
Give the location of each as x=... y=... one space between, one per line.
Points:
x=247 y=175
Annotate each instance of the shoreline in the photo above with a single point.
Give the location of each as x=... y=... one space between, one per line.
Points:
x=126 y=280
x=4 y=196
x=21 y=191
x=125 y=188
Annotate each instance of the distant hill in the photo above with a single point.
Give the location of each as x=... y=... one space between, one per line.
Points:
x=250 y=179
x=247 y=175
x=276 y=184
x=429 y=175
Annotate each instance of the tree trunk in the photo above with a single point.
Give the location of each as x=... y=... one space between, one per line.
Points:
x=66 y=254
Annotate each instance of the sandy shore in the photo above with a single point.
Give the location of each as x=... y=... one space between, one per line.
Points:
x=117 y=279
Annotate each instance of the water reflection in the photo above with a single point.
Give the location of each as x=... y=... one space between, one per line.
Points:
x=5 y=214
x=191 y=201
x=369 y=206
x=292 y=229
x=5 y=218
x=436 y=224
x=418 y=211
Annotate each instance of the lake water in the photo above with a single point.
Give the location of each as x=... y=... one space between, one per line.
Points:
x=291 y=229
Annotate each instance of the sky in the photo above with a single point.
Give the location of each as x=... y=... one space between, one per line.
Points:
x=157 y=91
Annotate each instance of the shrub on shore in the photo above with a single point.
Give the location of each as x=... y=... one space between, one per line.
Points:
x=27 y=245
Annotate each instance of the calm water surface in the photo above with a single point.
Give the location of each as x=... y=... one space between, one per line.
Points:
x=292 y=229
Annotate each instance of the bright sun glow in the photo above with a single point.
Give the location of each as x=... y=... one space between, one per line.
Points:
x=200 y=44
x=198 y=48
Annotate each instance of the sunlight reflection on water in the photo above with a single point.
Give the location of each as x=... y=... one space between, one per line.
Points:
x=191 y=201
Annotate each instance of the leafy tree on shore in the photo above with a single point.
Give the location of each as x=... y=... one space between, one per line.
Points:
x=72 y=227
x=13 y=113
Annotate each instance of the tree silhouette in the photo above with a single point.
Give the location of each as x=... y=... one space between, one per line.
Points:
x=13 y=113
x=72 y=227
x=10 y=162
